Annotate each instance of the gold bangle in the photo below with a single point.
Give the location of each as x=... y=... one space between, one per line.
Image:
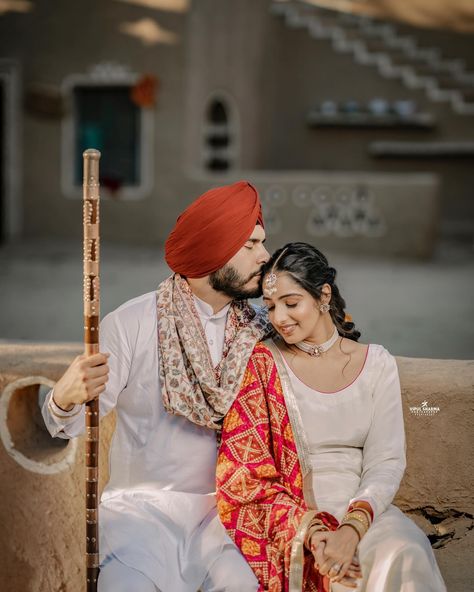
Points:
x=357 y=523
x=315 y=526
x=364 y=511
x=358 y=516
x=311 y=530
x=360 y=520
x=362 y=505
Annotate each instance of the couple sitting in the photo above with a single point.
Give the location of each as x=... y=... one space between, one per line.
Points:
x=309 y=422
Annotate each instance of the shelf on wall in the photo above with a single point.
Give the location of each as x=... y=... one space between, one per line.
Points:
x=367 y=120
x=393 y=149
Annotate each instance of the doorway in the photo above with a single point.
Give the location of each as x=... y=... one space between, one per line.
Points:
x=2 y=162
x=10 y=205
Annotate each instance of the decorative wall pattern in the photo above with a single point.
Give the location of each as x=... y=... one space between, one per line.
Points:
x=337 y=210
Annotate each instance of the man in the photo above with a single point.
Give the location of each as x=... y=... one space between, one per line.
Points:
x=172 y=364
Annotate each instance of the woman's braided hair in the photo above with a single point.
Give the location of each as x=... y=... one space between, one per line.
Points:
x=310 y=269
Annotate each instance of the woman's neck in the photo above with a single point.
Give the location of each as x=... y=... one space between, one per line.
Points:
x=323 y=331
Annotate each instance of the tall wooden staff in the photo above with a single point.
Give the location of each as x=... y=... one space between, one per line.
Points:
x=91 y=345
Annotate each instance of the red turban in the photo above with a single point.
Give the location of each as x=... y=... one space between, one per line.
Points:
x=212 y=229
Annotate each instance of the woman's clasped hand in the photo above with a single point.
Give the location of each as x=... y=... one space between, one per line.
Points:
x=335 y=555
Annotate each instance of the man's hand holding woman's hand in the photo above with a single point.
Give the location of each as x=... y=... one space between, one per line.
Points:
x=83 y=381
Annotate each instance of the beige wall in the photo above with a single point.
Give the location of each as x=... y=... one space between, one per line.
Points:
x=272 y=74
x=58 y=39
x=225 y=53
x=300 y=72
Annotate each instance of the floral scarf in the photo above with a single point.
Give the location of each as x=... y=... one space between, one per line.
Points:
x=190 y=385
x=261 y=487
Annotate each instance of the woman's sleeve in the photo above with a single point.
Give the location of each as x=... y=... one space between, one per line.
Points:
x=384 y=459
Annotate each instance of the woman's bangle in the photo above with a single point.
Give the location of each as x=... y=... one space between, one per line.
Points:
x=361 y=511
x=358 y=520
x=358 y=515
x=362 y=505
x=315 y=526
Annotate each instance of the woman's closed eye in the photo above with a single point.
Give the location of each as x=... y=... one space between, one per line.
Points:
x=288 y=305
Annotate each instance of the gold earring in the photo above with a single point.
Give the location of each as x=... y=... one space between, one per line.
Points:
x=324 y=307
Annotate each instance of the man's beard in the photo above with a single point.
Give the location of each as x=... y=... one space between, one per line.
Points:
x=230 y=282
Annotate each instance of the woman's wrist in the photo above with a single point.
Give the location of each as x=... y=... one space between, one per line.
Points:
x=358 y=518
x=351 y=530
x=316 y=526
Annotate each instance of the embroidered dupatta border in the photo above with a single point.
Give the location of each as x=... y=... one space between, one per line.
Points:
x=296 y=422
x=302 y=447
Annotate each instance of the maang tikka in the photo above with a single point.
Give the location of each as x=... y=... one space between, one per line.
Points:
x=271 y=279
x=270 y=283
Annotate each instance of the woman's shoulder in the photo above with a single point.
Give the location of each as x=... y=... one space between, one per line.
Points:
x=380 y=352
x=375 y=357
x=349 y=346
x=383 y=363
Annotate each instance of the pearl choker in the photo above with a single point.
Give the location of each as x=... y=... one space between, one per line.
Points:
x=317 y=350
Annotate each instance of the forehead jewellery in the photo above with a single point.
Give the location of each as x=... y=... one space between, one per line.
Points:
x=271 y=279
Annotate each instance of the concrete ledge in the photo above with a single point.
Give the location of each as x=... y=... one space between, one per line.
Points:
x=43 y=514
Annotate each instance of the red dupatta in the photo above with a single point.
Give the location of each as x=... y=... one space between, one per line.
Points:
x=260 y=483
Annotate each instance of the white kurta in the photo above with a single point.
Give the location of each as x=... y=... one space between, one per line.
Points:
x=157 y=513
x=357 y=450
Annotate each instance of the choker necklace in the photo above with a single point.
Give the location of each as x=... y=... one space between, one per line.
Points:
x=317 y=350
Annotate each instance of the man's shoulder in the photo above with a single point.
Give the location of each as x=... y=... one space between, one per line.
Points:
x=138 y=303
x=133 y=309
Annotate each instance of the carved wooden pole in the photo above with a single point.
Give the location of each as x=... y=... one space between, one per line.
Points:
x=91 y=345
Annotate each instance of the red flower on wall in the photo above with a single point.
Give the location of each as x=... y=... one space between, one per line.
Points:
x=145 y=90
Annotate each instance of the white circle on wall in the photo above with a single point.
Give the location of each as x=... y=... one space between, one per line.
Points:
x=323 y=194
x=66 y=461
x=275 y=196
x=301 y=196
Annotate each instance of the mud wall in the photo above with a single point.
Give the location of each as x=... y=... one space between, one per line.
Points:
x=42 y=484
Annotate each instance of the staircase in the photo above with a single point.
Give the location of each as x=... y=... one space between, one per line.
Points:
x=376 y=43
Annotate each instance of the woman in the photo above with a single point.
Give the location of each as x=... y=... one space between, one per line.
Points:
x=313 y=448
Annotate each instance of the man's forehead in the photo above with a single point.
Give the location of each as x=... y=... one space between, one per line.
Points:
x=258 y=233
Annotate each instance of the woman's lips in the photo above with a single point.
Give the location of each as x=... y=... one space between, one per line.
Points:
x=288 y=330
